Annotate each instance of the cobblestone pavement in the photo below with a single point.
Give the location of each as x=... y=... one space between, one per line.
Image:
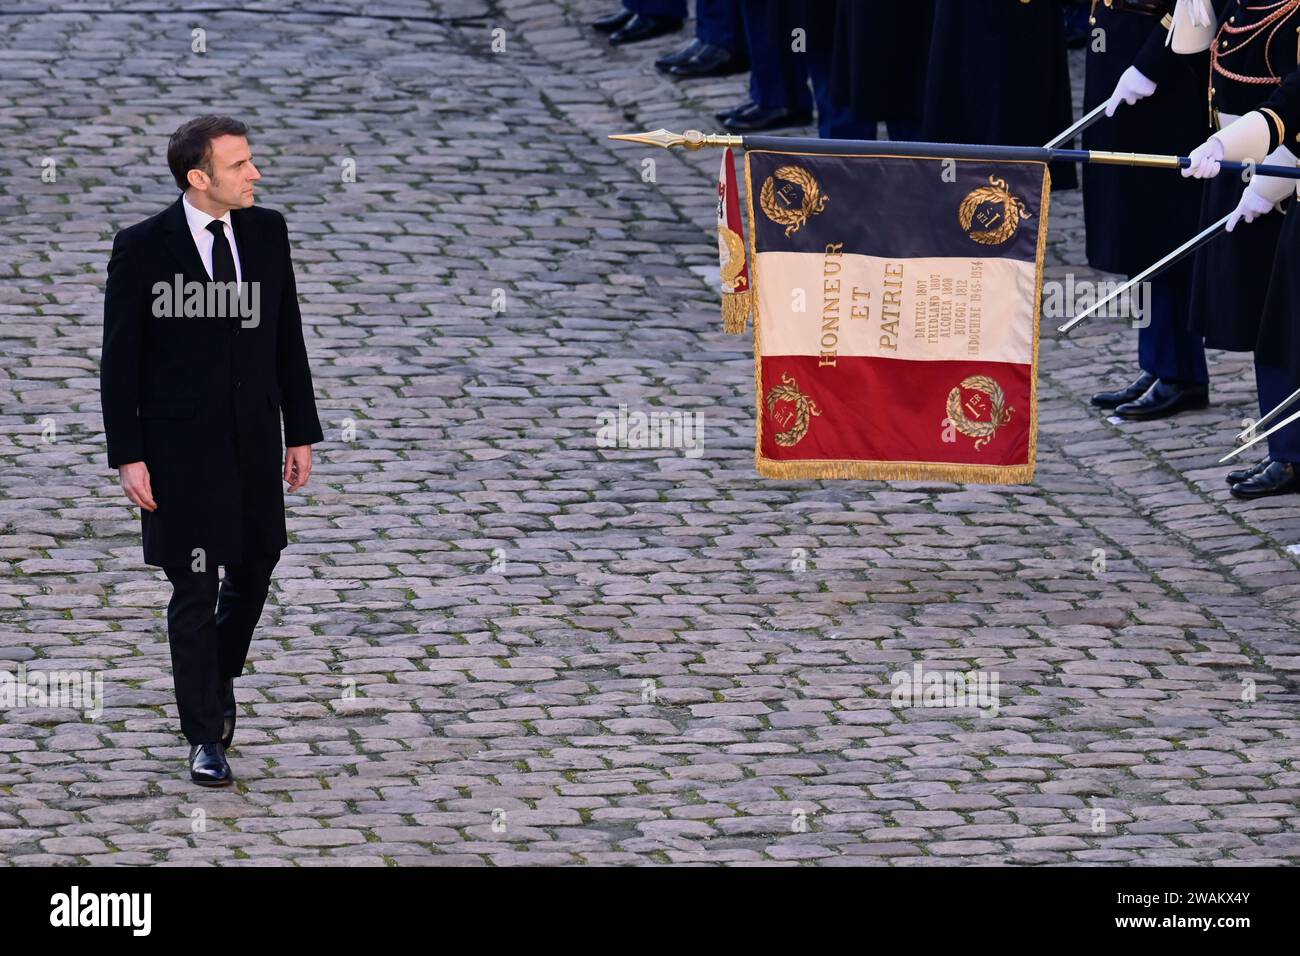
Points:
x=563 y=653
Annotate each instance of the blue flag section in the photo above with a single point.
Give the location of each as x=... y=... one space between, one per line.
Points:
x=895 y=206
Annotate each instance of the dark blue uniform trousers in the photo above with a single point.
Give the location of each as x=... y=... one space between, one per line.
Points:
x=719 y=23
x=778 y=76
x=1275 y=385
x=657 y=8
x=1166 y=349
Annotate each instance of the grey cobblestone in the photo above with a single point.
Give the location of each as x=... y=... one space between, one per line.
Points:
x=645 y=679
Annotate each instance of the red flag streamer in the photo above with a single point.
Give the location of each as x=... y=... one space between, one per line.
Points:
x=734 y=267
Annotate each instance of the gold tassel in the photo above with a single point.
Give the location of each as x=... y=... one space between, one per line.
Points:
x=735 y=312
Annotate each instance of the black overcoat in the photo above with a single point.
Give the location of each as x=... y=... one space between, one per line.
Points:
x=199 y=398
x=999 y=75
x=1135 y=216
x=879 y=58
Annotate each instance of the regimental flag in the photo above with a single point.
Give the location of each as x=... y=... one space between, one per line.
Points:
x=896 y=315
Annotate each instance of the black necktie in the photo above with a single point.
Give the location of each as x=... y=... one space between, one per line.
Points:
x=223 y=260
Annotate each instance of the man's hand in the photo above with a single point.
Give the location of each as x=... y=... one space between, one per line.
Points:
x=1251 y=207
x=135 y=482
x=297 y=466
x=1133 y=86
x=1205 y=160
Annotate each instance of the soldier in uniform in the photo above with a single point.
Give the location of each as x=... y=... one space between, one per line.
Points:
x=1253 y=46
x=999 y=75
x=1155 y=103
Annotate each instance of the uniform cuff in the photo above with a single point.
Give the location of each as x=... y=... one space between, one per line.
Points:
x=1248 y=138
x=1276 y=128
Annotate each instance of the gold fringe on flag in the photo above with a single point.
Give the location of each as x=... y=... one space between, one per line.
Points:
x=735 y=311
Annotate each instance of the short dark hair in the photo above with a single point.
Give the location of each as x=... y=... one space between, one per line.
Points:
x=191 y=145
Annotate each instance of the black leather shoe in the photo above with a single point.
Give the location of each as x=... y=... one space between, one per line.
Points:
x=208 y=765
x=1241 y=474
x=1125 y=395
x=759 y=119
x=642 y=27
x=1278 y=478
x=229 y=712
x=747 y=107
x=679 y=56
x=710 y=60
x=1164 y=399
x=612 y=21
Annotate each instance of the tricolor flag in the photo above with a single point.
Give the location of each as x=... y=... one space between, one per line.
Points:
x=896 y=315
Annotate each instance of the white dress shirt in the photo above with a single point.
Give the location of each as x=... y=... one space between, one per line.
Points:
x=198 y=222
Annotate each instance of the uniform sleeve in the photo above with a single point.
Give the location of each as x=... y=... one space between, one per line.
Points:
x=1282 y=111
x=119 y=366
x=1157 y=59
x=1247 y=139
x=297 y=398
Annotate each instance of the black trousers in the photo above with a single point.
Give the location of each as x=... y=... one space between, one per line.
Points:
x=209 y=629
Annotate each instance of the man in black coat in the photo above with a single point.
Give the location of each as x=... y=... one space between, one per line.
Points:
x=203 y=351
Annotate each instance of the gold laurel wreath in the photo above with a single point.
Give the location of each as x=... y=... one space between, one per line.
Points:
x=731 y=250
x=804 y=408
x=1013 y=210
x=982 y=432
x=814 y=201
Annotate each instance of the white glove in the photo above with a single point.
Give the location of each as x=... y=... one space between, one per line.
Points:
x=1205 y=160
x=1251 y=207
x=1132 y=86
x=1263 y=193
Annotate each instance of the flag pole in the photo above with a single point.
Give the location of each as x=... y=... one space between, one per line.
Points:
x=693 y=139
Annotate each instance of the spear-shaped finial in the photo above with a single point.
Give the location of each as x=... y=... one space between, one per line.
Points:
x=691 y=139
